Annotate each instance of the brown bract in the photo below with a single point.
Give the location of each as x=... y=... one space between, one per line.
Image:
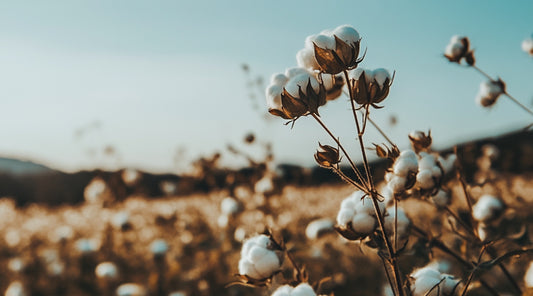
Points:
x=385 y=152
x=327 y=156
x=344 y=57
x=349 y=233
x=369 y=92
x=305 y=103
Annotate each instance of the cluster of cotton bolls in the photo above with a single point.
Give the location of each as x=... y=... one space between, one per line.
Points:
x=487 y=209
x=357 y=214
x=403 y=172
x=527 y=45
x=428 y=281
x=260 y=258
x=303 y=289
x=429 y=171
x=326 y=40
x=489 y=92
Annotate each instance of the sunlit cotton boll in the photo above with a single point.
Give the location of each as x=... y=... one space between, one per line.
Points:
x=229 y=206
x=303 y=289
x=405 y=166
x=131 y=289
x=87 y=246
x=403 y=222
x=300 y=83
x=360 y=212
x=441 y=199
x=16 y=289
x=159 y=247
x=318 y=227
x=106 y=270
x=258 y=259
x=455 y=48
x=527 y=46
x=528 y=277
x=489 y=92
x=427 y=279
x=428 y=171
x=487 y=208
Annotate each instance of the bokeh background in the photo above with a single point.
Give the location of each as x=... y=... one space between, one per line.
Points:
x=153 y=85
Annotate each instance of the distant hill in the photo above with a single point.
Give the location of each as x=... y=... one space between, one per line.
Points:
x=22 y=167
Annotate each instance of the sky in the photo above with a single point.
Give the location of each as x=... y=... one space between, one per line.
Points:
x=150 y=78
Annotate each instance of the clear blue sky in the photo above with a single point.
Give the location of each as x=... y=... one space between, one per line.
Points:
x=159 y=75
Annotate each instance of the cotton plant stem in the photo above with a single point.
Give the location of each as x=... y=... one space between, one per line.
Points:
x=374 y=196
x=504 y=92
x=492 y=253
x=473 y=272
x=379 y=130
x=363 y=186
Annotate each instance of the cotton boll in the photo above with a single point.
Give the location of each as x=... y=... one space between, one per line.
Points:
x=273 y=96
x=229 y=206
x=397 y=184
x=347 y=34
x=300 y=82
x=363 y=223
x=284 y=290
x=267 y=264
x=318 y=227
x=248 y=268
x=428 y=161
x=306 y=58
x=131 y=289
x=356 y=73
x=324 y=41
x=107 y=270
x=449 y=284
x=487 y=208
x=402 y=221
x=423 y=285
x=527 y=46
x=278 y=79
x=528 y=277
x=441 y=199
x=303 y=289
x=448 y=163
x=381 y=75
x=293 y=72
x=16 y=289
x=344 y=216
x=427 y=272
x=159 y=247
x=455 y=47
x=489 y=91
x=425 y=179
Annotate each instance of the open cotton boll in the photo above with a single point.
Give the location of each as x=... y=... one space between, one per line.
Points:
x=402 y=221
x=380 y=75
x=229 y=206
x=273 y=96
x=284 y=290
x=258 y=261
x=303 y=289
x=16 y=289
x=425 y=180
x=527 y=46
x=455 y=47
x=356 y=73
x=300 y=82
x=528 y=277
x=397 y=184
x=363 y=223
x=295 y=71
x=346 y=33
x=159 y=247
x=324 y=41
x=441 y=199
x=423 y=285
x=278 y=79
x=487 y=208
x=489 y=91
x=345 y=215
x=318 y=227
x=131 y=289
x=106 y=270
x=305 y=58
